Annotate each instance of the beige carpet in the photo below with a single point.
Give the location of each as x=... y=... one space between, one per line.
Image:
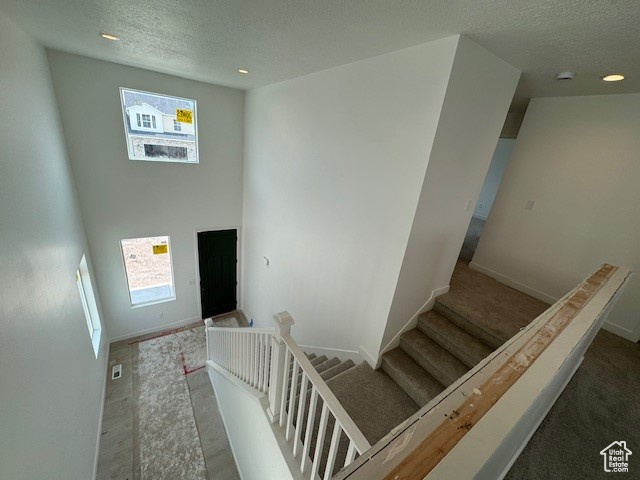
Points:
x=168 y=442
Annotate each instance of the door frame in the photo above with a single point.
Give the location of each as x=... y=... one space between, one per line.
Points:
x=238 y=230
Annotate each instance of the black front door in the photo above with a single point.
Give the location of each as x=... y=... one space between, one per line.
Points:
x=217 y=252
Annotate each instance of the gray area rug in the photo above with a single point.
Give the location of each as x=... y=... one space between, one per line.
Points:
x=168 y=444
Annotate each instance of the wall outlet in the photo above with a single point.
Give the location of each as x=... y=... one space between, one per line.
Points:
x=116 y=372
x=530 y=205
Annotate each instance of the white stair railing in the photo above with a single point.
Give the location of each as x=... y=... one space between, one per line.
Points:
x=272 y=362
x=243 y=352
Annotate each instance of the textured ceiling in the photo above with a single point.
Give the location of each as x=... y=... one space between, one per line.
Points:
x=209 y=40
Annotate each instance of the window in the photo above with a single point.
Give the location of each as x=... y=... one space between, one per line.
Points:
x=148 y=269
x=88 y=299
x=159 y=128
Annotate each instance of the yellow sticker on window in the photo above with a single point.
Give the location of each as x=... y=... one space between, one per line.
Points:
x=184 y=116
x=160 y=249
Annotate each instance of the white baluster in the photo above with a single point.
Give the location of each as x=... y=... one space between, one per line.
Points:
x=311 y=418
x=300 y=416
x=322 y=429
x=351 y=454
x=292 y=397
x=333 y=450
x=285 y=385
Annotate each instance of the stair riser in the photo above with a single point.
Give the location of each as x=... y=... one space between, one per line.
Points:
x=406 y=386
x=431 y=368
x=468 y=326
x=453 y=348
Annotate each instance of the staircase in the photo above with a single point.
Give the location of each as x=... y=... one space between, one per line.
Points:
x=324 y=413
x=475 y=317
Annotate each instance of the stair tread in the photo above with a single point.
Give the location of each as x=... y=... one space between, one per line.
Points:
x=337 y=369
x=486 y=308
x=318 y=360
x=437 y=361
x=469 y=349
x=327 y=364
x=411 y=377
x=311 y=356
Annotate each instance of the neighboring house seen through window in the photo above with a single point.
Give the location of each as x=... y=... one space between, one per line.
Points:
x=159 y=128
x=147 y=264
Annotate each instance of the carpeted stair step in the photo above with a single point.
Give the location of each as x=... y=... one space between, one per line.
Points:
x=452 y=312
x=327 y=364
x=315 y=361
x=318 y=360
x=436 y=361
x=320 y=368
x=337 y=370
x=411 y=377
x=459 y=342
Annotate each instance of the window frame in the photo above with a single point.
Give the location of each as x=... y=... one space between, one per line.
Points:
x=160 y=160
x=126 y=275
x=89 y=304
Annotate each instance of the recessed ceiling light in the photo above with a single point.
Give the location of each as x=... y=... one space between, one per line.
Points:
x=243 y=71
x=613 y=77
x=108 y=36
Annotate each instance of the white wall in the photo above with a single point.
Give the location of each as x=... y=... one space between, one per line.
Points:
x=577 y=158
x=496 y=171
x=51 y=384
x=478 y=96
x=254 y=442
x=334 y=163
x=123 y=199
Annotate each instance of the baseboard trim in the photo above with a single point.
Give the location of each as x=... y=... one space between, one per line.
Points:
x=620 y=331
x=521 y=287
x=370 y=359
x=412 y=323
x=333 y=352
x=157 y=329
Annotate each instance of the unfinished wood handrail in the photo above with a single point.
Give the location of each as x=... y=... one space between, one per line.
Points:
x=419 y=445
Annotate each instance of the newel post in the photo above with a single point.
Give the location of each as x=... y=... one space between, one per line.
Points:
x=278 y=349
x=207 y=323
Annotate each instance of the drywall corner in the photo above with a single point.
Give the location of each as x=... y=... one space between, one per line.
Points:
x=478 y=95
